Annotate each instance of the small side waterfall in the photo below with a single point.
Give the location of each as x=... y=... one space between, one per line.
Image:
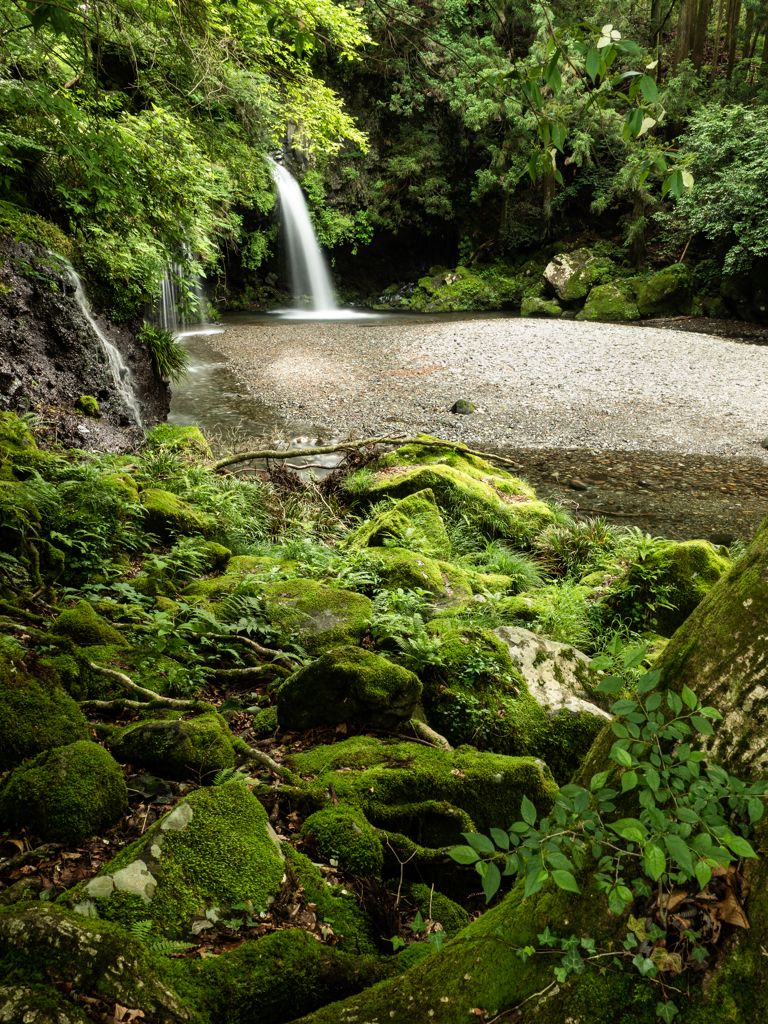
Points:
x=308 y=270
x=120 y=372
x=168 y=312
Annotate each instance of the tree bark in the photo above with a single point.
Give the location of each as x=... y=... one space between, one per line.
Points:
x=684 y=35
x=701 y=24
x=716 y=51
x=750 y=21
x=734 y=16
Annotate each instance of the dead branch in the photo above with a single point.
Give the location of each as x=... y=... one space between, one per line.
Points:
x=292 y=453
x=128 y=684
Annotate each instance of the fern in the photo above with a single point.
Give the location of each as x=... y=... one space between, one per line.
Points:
x=227 y=775
x=140 y=930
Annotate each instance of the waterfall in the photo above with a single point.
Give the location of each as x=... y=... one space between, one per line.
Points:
x=169 y=299
x=120 y=372
x=308 y=270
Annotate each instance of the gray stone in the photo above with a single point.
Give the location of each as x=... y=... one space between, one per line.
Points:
x=569 y=275
x=99 y=887
x=136 y=880
x=179 y=818
x=556 y=674
x=462 y=407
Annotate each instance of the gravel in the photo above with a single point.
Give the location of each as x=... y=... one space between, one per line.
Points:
x=536 y=383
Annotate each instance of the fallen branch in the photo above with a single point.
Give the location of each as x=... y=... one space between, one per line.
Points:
x=399 y=736
x=265 y=652
x=112 y=705
x=292 y=453
x=11 y=610
x=21 y=858
x=428 y=735
x=128 y=684
x=266 y=760
x=242 y=674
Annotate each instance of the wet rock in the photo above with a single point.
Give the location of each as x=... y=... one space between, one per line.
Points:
x=462 y=407
x=540 y=306
x=577 y=485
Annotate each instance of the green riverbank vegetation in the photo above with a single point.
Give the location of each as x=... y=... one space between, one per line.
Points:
x=256 y=731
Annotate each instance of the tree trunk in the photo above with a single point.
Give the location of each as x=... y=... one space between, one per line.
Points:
x=639 y=249
x=700 y=27
x=750 y=20
x=549 y=195
x=716 y=53
x=685 y=24
x=734 y=16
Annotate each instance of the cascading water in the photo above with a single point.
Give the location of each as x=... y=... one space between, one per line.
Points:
x=120 y=372
x=308 y=270
x=168 y=312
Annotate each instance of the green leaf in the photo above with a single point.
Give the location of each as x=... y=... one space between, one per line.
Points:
x=702 y=725
x=559 y=132
x=680 y=853
x=666 y=1011
x=649 y=681
x=755 y=809
x=611 y=684
x=565 y=880
x=689 y=697
x=653 y=778
x=500 y=838
x=479 y=842
x=546 y=938
x=463 y=855
x=644 y=965
x=533 y=166
x=528 y=811
x=634 y=656
x=511 y=864
x=655 y=861
x=621 y=756
x=534 y=882
x=593 y=63
x=623 y=824
x=601 y=663
x=572 y=961
x=711 y=713
x=552 y=74
x=623 y=707
x=491 y=882
x=619 y=730
x=674 y=703
x=739 y=846
x=703 y=873
x=598 y=781
x=628 y=781
x=616 y=900
x=648 y=89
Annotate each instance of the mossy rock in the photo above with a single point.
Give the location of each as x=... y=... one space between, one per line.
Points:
x=265 y=721
x=213 y=850
x=414 y=522
x=542 y=608
x=437 y=793
x=608 y=303
x=348 y=684
x=436 y=907
x=66 y=794
x=343 y=833
x=571 y=275
x=667 y=293
x=479 y=696
x=215 y=557
x=409 y=570
x=38 y=1004
x=178 y=748
x=85 y=627
x=536 y=306
x=685 y=570
x=237 y=569
x=183 y=440
x=321 y=617
x=39 y=942
x=167 y=514
x=283 y=976
x=88 y=406
x=35 y=715
x=421 y=452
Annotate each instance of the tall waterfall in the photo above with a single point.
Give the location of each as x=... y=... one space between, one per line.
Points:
x=308 y=270
x=120 y=372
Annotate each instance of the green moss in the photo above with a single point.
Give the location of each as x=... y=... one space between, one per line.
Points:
x=414 y=522
x=419 y=453
x=184 y=440
x=536 y=306
x=265 y=721
x=321 y=617
x=343 y=833
x=167 y=514
x=667 y=293
x=193 y=748
x=67 y=794
x=347 y=684
x=607 y=302
x=85 y=627
x=88 y=406
x=236 y=570
x=212 y=851
x=437 y=907
x=35 y=715
x=281 y=977
x=38 y=1004
x=398 y=567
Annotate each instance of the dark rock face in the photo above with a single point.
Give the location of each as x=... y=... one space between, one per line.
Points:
x=50 y=355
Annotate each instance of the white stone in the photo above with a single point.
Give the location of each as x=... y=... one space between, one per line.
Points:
x=136 y=879
x=178 y=819
x=100 y=886
x=550 y=670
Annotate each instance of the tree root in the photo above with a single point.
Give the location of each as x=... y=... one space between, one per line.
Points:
x=21 y=858
x=292 y=453
x=244 y=674
x=128 y=684
x=261 y=758
x=12 y=611
x=428 y=735
x=264 y=652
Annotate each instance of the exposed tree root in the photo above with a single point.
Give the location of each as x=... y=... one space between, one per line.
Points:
x=292 y=453
x=128 y=684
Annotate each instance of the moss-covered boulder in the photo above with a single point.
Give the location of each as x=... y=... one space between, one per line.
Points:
x=571 y=275
x=435 y=906
x=414 y=522
x=35 y=715
x=183 y=440
x=193 y=748
x=348 y=684
x=433 y=794
x=399 y=567
x=167 y=514
x=213 y=850
x=608 y=303
x=540 y=306
x=672 y=580
x=86 y=628
x=479 y=696
x=343 y=833
x=46 y=951
x=88 y=406
x=321 y=617
x=66 y=794
x=667 y=293
x=492 y=500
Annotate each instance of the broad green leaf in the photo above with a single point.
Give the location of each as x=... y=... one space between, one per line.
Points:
x=673 y=699
x=634 y=656
x=680 y=853
x=626 y=823
x=534 y=882
x=500 y=838
x=565 y=880
x=648 y=89
x=511 y=864
x=598 y=781
x=655 y=861
x=601 y=663
x=645 y=966
x=702 y=725
x=649 y=681
x=533 y=165
x=491 y=882
x=653 y=702
x=616 y=900
x=619 y=730
x=666 y=1011
x=463 y=855
x=703 y=873
x=755 y=809
x=621 y=756
x=689 y=697
x=711 y=713
x=653 y=778
x=611 y=684
x=559 y=132
x=479 y=842
x=552 y=74
x=628 y=781
x=528 y=811
x=623 y=707
x=739 y=846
